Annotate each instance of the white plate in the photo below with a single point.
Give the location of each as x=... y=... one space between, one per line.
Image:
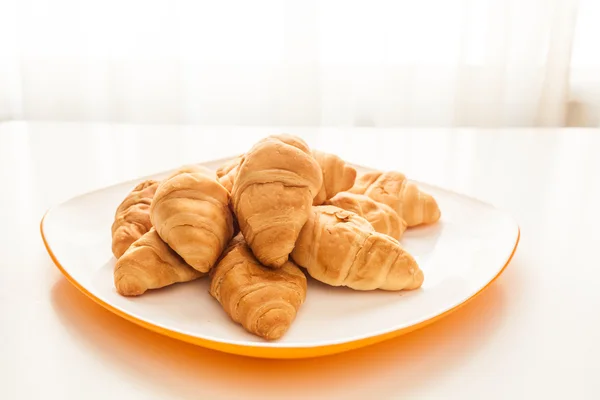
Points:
x=460 y=255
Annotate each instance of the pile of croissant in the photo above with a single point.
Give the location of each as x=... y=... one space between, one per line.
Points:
x=255 y=225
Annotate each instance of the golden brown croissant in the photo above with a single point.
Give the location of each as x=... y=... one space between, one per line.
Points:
x=337 y=176
x=380 y=216
x=227 y=172
x=263 y=300
x=392 y=188
x=272 y=195
x=190 y=212
x=132 y=218
x=150 y=264
x=340 y=248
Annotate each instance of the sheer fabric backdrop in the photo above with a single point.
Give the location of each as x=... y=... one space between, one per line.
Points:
x=269 y=62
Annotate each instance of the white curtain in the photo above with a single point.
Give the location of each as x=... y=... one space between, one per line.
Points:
x=269 y=62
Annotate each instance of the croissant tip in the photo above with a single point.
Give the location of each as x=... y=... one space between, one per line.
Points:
x=418 y=279
x=431 y=209
x=273 y=324
x=118 y=251
x=350 y=173
x=129 y=285
x=276 y=333
x=277 y=263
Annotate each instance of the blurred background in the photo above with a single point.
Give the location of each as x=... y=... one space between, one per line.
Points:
x=438 y=63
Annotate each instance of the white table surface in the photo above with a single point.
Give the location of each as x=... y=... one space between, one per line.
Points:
x=535 y=333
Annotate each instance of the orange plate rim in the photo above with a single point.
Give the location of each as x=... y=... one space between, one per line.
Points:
x=264 y=351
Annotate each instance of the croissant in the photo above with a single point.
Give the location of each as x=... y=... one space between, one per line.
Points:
x=414 y=206
x=227 y=172
x=380 y=216
x=340 y=248
x=272 y=194
x=132 y=218
x=190 y=212
x=337 y=176
x=150 y=264
x=263 y=300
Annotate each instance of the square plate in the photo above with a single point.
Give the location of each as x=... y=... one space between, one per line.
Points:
x=460 y=255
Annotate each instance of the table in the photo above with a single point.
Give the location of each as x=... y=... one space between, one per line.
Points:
x=533 y=333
